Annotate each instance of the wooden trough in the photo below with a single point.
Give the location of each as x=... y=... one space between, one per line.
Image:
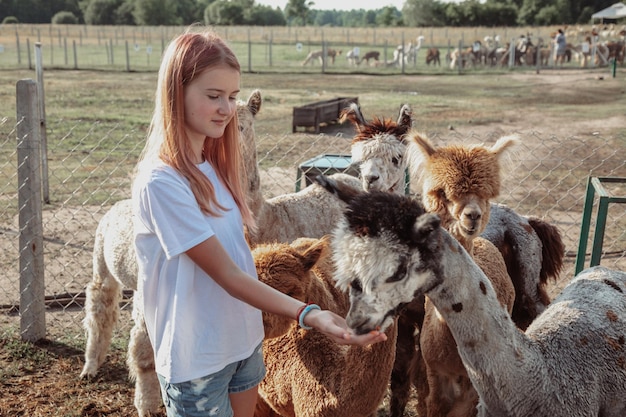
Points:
x=325 y=111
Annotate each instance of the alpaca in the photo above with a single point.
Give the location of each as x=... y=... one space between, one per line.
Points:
x=458 y=185
x=378 y=148
x=464 y=58
x=315 y=55
x=115 y=267
x=310 y=212
x=352 y=56
x=568 y=362
x=410 y=51
x=532 y=249
x=308 y=375
x=433 y=56
x=374 y=55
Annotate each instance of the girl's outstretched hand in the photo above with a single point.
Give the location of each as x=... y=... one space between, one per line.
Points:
x=335 y=327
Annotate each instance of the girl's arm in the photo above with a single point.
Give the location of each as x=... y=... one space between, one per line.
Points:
x=215 y=261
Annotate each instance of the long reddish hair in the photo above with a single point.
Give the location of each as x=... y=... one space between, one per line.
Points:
x=185 y=58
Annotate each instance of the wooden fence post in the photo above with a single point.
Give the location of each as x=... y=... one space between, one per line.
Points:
x=32 y=287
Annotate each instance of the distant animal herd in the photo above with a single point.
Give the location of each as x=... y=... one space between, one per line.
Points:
x=593 y=46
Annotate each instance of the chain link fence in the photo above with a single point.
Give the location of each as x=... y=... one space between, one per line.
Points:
x=89 y=168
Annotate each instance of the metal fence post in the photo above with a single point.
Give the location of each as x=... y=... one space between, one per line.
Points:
x=595 y=185
x=32 y=287
x=42 y=123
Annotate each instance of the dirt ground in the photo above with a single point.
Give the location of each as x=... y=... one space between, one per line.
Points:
x=42 y=379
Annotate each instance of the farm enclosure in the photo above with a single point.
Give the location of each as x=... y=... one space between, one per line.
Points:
x=260 y=49
x=572 y=125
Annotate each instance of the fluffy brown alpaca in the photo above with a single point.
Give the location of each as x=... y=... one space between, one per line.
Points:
x=458 y=183
x=309 y=375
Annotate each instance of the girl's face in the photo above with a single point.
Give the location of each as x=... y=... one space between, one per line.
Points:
x=211 y=102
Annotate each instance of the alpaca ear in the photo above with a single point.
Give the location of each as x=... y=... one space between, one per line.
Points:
x=313 y=254
x=343 y=191
x=418 y=151
x=502 y=147
x=354 y=115
x=405 y=118
x=504 y=143
x=254 y=102
x=424 y=226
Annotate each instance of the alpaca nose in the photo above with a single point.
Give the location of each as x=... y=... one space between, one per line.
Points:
x=472 y=215
x=472 y=219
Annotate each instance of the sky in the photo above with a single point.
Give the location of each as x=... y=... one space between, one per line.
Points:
x=340 y=5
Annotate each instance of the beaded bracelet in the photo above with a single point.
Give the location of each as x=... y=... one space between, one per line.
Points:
x=303 y=312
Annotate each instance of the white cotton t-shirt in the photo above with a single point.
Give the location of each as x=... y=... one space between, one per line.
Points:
x=196 y=328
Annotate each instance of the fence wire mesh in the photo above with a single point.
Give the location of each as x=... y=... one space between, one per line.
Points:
x=89 y=169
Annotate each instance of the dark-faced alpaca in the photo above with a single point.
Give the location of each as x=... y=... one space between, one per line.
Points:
x=569 y=362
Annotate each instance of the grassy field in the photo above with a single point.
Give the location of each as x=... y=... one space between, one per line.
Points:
x=572 y=124
x=273 y=49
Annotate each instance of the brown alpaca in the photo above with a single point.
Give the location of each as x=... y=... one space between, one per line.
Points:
x=315 y=55
x=375 y=55
x=457 y=184
x=308 y=375
x=433 y=56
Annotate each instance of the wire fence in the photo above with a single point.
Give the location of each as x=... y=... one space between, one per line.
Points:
x=88 y=171
x=279 y=49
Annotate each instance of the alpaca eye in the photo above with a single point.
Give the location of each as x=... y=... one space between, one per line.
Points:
x=396 y=160
x=355 y=285
x=442 y=195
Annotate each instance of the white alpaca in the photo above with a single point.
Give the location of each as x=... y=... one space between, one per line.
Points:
x=569 y=362
x=311 y=212
x=352 y=56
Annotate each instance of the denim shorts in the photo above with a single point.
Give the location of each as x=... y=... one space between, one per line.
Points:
x=208 y=396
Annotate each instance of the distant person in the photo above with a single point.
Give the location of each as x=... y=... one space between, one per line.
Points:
x=201 y=296
x=560 y=46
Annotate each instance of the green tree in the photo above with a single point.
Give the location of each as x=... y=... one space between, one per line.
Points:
x=370 y=18
x=100 y=12
x=499 y=14
x=224 y=13
x=326 y=18
x=64 y=18
x=419 y=13
x=157 y=12
x=297 y=12
x=548 y=16
x=124 y=13
x=263 y=15
x=388 y=16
